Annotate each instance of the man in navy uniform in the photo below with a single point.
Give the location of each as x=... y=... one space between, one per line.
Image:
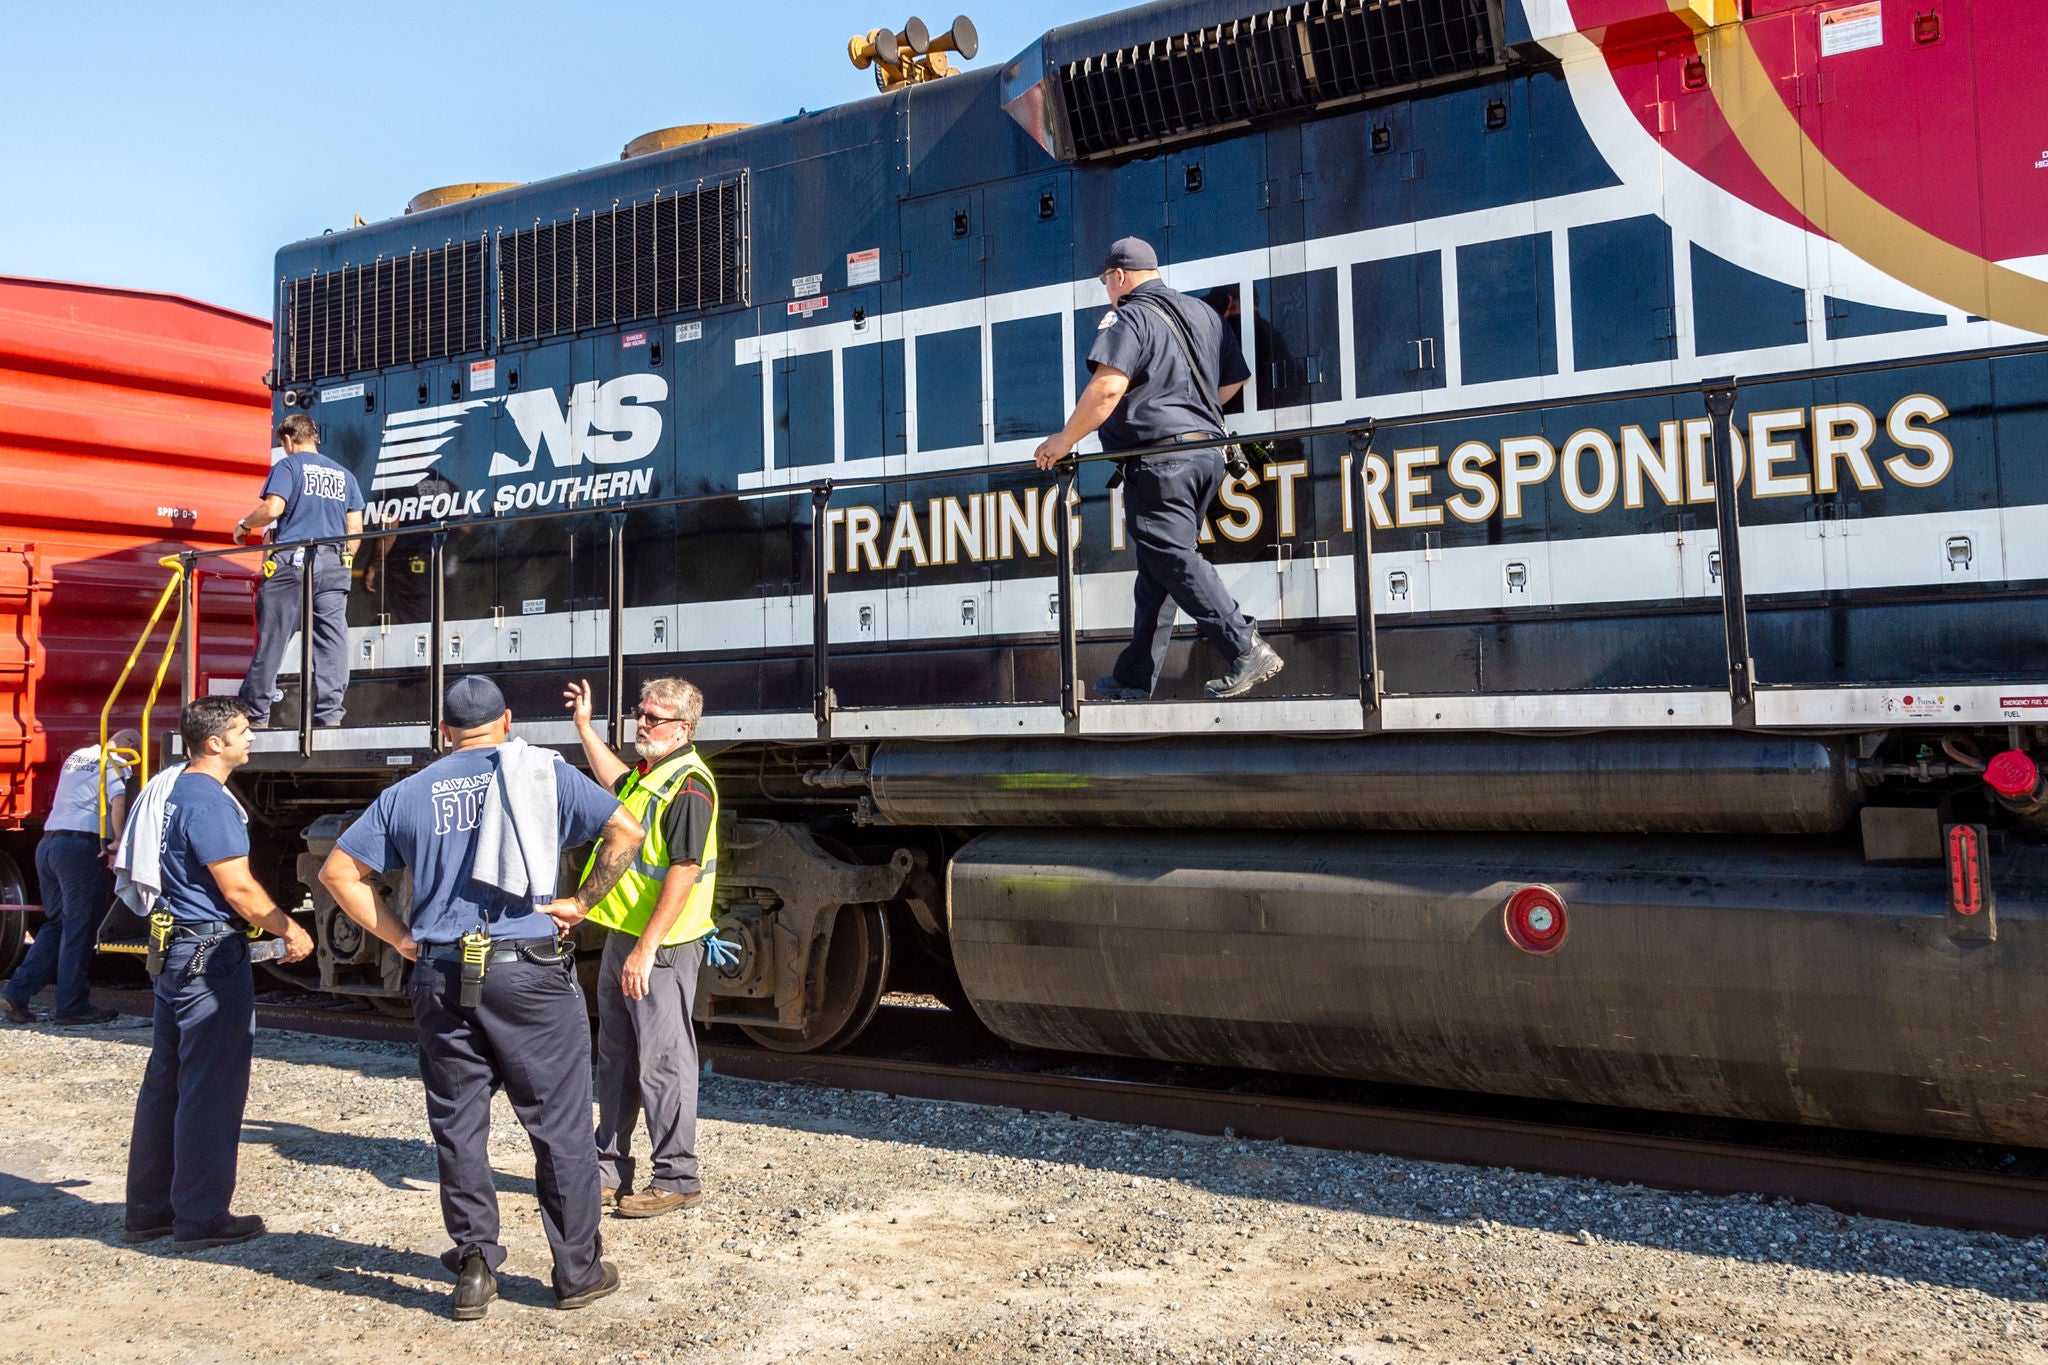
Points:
x=71 y=868
x=1144 y=392
x=494 y=991
x=308 y=497
x=188 y=1118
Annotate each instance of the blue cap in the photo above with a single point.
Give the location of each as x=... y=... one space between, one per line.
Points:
x=472 y=700
x=1131 y=253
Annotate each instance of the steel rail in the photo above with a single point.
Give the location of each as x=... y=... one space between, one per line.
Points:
x=1936 y=1196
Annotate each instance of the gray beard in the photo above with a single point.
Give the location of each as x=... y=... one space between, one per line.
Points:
x=649 y=752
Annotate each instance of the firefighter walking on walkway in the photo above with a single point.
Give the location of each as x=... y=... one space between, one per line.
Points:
x=306 y=497
x=1164 y=365
x=494 y=991
x=660 y=917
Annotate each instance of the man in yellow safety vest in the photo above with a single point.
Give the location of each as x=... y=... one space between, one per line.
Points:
x=660 y=916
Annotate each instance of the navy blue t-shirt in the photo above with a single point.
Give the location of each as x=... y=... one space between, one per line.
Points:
x=202 y=825
x=428 y=823
x=1163 y=401
x=317 y=493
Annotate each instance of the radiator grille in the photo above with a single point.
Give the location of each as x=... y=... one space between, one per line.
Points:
x=398 y=310
x=675 y=253
x=1285 y=61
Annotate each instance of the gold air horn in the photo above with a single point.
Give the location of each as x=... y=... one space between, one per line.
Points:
x=912 y=55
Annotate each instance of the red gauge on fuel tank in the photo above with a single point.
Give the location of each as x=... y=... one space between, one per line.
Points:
x=1535 y=920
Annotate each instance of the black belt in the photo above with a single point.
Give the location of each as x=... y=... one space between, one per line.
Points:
x=70 y=834
x=211 y=929
x=540 y=951
x=1190 y=437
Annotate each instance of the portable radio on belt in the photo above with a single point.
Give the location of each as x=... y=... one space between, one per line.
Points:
x=160 y=924
x=476 y=957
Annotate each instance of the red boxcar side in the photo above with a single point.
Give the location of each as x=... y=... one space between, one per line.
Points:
x=132 y=425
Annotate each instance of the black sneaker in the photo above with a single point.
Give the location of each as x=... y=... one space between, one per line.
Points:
x=607 y=1283
x=1109 y=689
x=19 y=1014
x=476 y=1286
x=1251 y=668
x=86 y=1020
x=245 y=1227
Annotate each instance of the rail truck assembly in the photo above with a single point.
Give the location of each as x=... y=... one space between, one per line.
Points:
x=131 y=424
x=1649 y=501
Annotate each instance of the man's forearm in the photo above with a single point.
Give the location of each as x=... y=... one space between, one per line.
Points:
x=1091 y=410
x=259 y=518
x=614 y=856
x=259 y=910
x=605 y=766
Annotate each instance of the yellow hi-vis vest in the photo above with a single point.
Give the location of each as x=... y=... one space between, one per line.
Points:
x=629 y=905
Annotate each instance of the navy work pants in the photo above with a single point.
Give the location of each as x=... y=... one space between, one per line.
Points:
x=277 y=616
x=188 y=1118
x=647 y=1064
x=531 y=1036
x=1165 y=498
x=77 y=888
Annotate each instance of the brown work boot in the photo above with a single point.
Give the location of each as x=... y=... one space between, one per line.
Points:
x=652 y=1203
x=607 y=1195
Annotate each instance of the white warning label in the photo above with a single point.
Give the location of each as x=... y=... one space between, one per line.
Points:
x=803 y=286
x=864 y=267
x=336 y=395
x=689 y=331
x=1851 y=28
x=483 y=374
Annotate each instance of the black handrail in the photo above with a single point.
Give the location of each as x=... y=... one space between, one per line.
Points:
x=1718 y=395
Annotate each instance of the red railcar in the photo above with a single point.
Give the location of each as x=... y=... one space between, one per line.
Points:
x=132 y=425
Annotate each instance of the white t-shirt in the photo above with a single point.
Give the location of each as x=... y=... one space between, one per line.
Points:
x=77 y=805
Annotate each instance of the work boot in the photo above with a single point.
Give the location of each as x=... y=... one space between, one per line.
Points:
x=607 y=1283
x=19 y=1014
x=86 y=1020
x=1251 y=668
x=244 y=1227
x=137 y=1236
x=475 y=1287
x=1109 y=689
x=652 y=1203
x=606 y=1194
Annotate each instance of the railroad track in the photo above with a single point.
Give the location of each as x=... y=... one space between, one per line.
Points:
x=1916 y=1191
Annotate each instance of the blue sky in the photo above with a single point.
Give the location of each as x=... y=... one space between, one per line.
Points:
x=176 y=147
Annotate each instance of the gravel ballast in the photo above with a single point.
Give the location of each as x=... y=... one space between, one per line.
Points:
x=853 y=1226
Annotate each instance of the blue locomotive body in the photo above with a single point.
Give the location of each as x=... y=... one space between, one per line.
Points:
x=1483 y=296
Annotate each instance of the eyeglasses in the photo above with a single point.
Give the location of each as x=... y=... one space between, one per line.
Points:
x=648 y=719
x=1104 y=276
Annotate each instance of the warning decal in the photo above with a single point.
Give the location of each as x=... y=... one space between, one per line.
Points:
x=804 y=306
x=1852 y=28
x=803 y=286
x=864 y=267
x=483 y=375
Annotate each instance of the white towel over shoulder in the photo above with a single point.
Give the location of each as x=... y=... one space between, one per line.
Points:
x=518 y=841
x=138 y=861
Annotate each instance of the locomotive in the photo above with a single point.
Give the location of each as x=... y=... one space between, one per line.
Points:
x=1647 y=398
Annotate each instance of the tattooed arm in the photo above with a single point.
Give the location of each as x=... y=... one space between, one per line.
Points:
x=616 y=849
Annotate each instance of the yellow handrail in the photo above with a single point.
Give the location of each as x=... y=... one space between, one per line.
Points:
x=141 y=757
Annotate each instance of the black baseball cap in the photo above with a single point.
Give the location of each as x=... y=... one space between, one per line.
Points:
x=1131 y=253
x=471 y=701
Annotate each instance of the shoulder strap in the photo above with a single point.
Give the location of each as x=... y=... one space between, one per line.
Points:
x=1160 y=309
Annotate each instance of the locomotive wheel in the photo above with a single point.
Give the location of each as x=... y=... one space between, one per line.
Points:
x=13 y=923
x=856 y=972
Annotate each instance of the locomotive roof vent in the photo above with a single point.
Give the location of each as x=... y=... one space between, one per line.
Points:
x=455 y=194
x=1285 y=62
x=682 y=135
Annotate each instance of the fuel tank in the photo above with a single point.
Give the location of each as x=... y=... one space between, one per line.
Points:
x=1637 y=783
x=1757 y=979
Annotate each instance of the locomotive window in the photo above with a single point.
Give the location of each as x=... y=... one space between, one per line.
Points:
x=400 y=310
x=680 y=252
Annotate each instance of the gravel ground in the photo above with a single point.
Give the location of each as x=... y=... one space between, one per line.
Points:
x=844 y=1227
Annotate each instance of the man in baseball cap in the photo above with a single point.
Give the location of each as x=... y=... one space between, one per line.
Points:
x=494 y=990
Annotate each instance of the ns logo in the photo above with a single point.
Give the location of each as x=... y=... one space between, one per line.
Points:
x=607 y=423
